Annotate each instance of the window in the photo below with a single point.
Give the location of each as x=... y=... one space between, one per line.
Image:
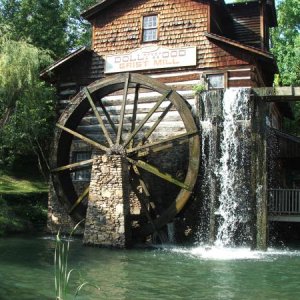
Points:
x=84 y=174
x=150 y=31
x=215 y=81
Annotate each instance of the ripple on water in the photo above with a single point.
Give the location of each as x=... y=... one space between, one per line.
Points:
x=226 y=253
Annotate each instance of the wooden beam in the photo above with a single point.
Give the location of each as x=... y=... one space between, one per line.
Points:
x=79 y=200
x=154 y=126
x=122 y=113
x=147 y=117
x=145 y=202
x=84 y=138
x=153 y=170
x=100 y=121
x=166 y=141
x=74 y=166
x=278 y=94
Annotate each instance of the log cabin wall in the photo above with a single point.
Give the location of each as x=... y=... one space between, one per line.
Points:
x=246 y=23
x=117 y=29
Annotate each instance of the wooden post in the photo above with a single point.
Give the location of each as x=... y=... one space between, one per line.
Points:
x=259 y=174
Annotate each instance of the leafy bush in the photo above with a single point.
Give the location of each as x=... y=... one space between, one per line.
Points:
x=199 y=88
x=22 y=213
x=8 y=221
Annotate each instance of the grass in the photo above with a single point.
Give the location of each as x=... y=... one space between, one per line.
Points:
x=23 y=201
x=19 y=184
x=62 y=273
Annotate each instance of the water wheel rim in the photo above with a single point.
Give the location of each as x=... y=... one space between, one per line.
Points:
x=74 y=113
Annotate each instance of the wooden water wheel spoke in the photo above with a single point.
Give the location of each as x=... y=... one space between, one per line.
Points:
x=141 y=181
x=167 y=143
x=155 y=171
x=112 y=124
x=75 y=166
x=83 y=138
x=144 y=200
x=159 y=148
x=80 y=199
x=134 y=111
x=146 y=118
x=100 y=121
x=135 y=107
x=154 y=126
x=122 y=113
x=137 y=133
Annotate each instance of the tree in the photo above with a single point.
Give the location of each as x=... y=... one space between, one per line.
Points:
x=79 y=30
x=42 y=23
x=26 y=103
x=286 y=42
x=55 y=25
x=286 y=48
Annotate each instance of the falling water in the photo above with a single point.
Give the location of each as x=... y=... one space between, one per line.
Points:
x=225 y=167
x=210 y=102
x=233 y=210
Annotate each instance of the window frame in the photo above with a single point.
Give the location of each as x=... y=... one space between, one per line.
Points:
x=76 y=175
x=225 y=79
x=144 y=29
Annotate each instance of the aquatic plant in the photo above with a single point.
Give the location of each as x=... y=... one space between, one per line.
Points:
x=199 y=88
x=62 y=273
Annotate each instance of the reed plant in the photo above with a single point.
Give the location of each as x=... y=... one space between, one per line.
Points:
x=61 y=268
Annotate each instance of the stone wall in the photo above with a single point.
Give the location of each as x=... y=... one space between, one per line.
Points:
x=58 y=217
x=107 y=219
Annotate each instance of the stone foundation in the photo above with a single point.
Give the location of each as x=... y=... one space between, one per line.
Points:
x=58 y=218
x=107 y=219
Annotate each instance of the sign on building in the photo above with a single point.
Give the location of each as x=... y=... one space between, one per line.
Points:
x=151 y=57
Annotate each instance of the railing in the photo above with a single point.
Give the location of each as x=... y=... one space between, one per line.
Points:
x=284 y=201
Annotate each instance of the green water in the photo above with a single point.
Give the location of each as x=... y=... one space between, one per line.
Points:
x=26 y=272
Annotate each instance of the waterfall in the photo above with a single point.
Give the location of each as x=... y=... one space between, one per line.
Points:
x=225 y=166
x=232 y=170
x=208 y=152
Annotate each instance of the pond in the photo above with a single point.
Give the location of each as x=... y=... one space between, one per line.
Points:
x=27 y=273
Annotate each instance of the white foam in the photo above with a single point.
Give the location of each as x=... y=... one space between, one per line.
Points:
x=226 y=253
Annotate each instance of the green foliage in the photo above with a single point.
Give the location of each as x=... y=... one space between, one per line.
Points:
x=12 y=184
x=79 y=30
x=286 y=42
x=22 y=213
x=286 y=48
x=54 y=25
x=26 y=103
x=41 y=22
x=62 y=272
x=5 y=219
x=199 y=88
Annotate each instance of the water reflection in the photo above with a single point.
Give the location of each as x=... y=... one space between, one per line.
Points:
x=26 y=272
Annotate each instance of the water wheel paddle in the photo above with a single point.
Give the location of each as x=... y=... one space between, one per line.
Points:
x=127 y=126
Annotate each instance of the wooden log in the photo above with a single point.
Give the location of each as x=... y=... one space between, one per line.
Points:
x=278 y=94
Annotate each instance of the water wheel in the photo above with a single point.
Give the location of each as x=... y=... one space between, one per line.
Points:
x=163 y=160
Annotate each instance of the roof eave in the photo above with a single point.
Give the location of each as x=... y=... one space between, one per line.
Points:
x=239 y=45
x=91 y=11
x=45 y=73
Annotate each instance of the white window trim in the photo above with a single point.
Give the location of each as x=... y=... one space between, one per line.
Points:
x=149 y=28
